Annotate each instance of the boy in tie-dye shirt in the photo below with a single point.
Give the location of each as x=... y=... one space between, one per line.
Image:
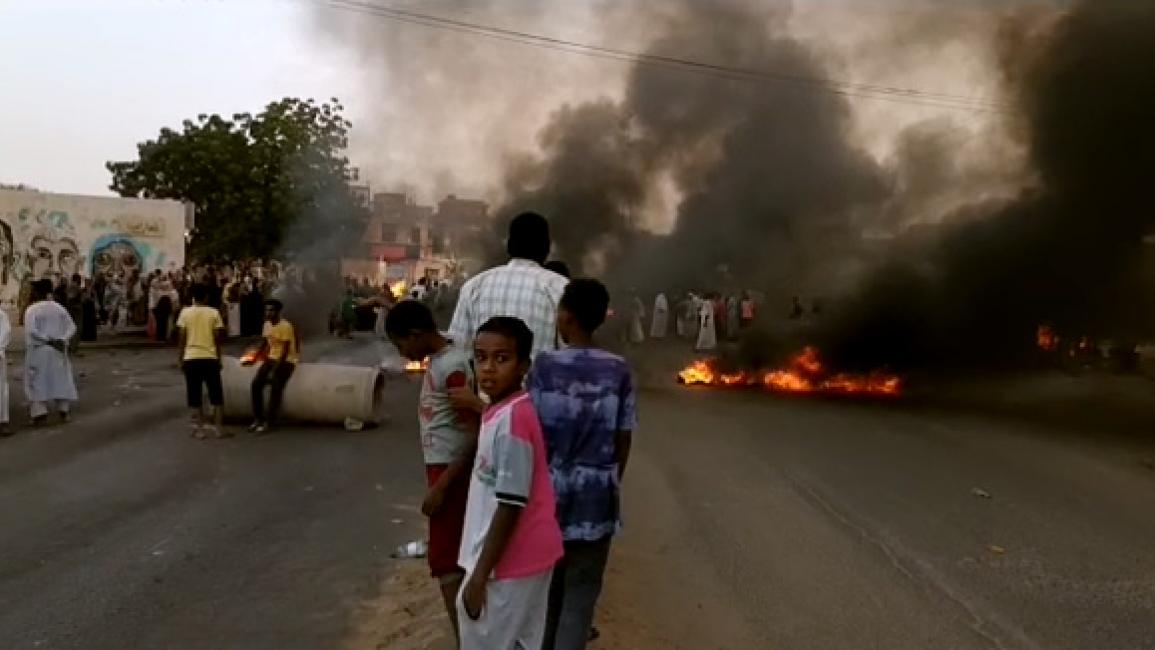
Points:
x=585 y=400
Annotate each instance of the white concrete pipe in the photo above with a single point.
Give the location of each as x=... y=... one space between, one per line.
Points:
x=318 y=393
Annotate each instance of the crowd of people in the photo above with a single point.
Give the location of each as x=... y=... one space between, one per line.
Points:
x=154 y=300
x=523 y=471
x=705 y=318
x=364 y=300
x=199 y=307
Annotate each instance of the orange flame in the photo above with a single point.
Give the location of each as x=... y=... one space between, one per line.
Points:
x=417 y=366
x=1046 y=338
x=253 y=355
x=804 y=374
x=399 y=289
x=698 y=372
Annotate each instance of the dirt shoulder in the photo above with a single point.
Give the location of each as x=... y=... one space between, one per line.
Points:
x=408 y=615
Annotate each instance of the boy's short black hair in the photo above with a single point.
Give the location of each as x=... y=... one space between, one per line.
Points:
x=275 y=304
x=588 y=301
x=409 y=316
x=513 y=328
x=199 y=292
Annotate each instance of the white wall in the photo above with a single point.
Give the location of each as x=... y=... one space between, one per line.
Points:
x=42 y=235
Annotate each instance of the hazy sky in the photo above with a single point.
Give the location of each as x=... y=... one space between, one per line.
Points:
x=85 y=80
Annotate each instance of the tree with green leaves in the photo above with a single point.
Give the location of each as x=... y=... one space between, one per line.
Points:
x=275 y=183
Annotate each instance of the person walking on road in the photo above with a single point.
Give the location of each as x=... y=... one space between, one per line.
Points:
x=732 y=313
x=587 y=434
x=747 y=307
x=114 y=295
x=5 y=339
x=661 y=317
x=48 y=380
x=74 y=303
x=282 y=349
x=707 y=338
x=637 y=330
x=201 y=331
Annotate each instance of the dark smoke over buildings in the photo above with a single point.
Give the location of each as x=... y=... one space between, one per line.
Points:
x=772 y=186
x=762 y=170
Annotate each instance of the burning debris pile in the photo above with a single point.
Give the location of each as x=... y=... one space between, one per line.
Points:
x=805 y=373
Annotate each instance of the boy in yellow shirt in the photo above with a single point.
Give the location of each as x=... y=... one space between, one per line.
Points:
x=282 y=348
x=201 y=331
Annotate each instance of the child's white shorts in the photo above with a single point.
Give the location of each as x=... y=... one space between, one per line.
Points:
x=513 y=617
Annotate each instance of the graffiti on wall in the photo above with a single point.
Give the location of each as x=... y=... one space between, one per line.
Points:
x=57 y=236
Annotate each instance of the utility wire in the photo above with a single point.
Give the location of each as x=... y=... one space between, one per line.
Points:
x=849 y=89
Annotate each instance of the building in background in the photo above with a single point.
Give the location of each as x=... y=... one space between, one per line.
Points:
x=459 y=226
x=404 y=241
x=361 y=194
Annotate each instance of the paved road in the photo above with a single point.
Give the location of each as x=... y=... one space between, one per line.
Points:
x=762 y=522
x=752 y=522
x=119 y=531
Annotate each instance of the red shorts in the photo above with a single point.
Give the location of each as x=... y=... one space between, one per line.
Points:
x=445 y=527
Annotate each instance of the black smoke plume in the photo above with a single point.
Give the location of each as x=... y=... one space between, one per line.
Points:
x=1070 y=252
x=767 y=176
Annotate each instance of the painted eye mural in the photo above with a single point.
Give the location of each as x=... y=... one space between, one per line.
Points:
x=119 y=257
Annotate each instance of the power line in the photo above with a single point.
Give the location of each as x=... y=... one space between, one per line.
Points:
x=849 y=89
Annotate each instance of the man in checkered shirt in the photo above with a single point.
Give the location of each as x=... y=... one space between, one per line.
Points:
x=521 y=288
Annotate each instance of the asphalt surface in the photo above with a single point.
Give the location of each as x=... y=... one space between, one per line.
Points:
x=120 y=531
x=752 y=521
x=756 y=521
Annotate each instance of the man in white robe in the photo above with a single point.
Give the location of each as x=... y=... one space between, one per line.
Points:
x=637 y=317
x=707 y=338
x=5 y=339
x=661 y=317
x=695 y=317
x=48 y=378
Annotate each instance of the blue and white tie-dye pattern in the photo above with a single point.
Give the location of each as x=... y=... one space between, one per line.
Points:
x=584 y=396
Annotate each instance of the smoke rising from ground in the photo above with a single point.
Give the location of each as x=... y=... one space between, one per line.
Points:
x=946 y=234
x=772 y=183
x=1067 y=252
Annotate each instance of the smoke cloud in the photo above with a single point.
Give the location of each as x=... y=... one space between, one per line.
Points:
x=940 y=235
x=1069 y=251
x=758 y=168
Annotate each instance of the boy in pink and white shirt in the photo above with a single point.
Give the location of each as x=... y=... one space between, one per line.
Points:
x=511 y=539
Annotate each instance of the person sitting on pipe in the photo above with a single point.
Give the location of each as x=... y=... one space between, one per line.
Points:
x=281 y=350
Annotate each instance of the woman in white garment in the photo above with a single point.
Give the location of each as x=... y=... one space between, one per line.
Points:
x=707 y=339
x=661 y=317
x=637 y=330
